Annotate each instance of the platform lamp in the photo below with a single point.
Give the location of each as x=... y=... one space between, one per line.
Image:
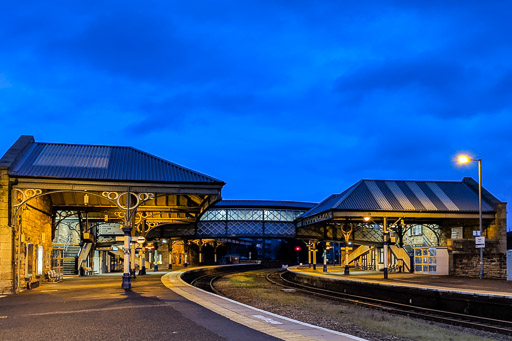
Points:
x=385 y=243
x=466 y=159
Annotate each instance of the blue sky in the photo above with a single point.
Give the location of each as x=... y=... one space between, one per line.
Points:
x=291 y=100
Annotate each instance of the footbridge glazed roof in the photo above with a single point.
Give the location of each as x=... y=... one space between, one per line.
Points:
x=264 y=204
x=27 y=158
x=413 y=196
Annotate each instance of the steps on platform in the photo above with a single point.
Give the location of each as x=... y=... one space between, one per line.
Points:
x=69 y=260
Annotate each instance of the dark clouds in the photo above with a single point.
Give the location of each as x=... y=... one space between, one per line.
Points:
x=449 y=88
x=282 y=100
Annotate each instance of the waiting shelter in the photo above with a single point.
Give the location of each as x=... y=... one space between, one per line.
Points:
x=427 y=226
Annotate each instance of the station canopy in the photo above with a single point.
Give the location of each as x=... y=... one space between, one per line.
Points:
x=446 y=203
x=102 y=180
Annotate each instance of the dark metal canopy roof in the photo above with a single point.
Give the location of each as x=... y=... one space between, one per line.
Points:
x=27 y=158
x=264 y=203
x=412 y=196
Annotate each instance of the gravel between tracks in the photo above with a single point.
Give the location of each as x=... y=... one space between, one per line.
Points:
x=253 y=289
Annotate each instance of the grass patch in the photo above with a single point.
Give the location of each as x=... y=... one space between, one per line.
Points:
x=252 y=288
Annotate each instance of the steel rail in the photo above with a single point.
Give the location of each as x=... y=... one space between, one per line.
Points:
x=470 y=321
x=210 y=279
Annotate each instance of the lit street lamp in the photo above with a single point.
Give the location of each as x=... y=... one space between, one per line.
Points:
x=465 y=159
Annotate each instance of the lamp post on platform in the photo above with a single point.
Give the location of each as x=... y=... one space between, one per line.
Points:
x=346 y=236
x=462 y=160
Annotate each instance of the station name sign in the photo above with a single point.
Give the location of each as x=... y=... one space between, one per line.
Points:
x=110 y=229
x=315 y=219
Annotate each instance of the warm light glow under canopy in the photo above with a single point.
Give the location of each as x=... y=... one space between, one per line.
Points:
x=463 y=159
x=367 y=219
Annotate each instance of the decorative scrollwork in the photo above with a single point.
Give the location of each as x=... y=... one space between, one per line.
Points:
x=110 y=195
x=146 y=196
x=120 y=215
x=24 y=195
x=138 y=198
x=346 y=233
x=141 y=223
x=141 y=216
x=152 y=224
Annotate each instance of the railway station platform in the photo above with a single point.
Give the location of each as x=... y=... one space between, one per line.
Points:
x=274 y=325
x=461 y=285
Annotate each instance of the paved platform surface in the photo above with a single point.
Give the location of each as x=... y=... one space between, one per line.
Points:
x=493 y=287
x=275 y=325
x=96 y=308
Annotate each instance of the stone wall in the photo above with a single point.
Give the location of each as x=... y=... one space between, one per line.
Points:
x=6 y=261
x=466 y=259
x=498 y=229
x=37 y=230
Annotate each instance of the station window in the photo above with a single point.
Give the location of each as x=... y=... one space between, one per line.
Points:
x=271 y=215
x=40 y=256
x=248 y=214
x=416 y=230
x=425 y=260
x=244 y=214
x=29 y=259
x=213 y=215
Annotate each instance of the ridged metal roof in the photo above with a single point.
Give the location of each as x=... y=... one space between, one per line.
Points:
x=421 y=196
x=89 y=162
x=264 y=203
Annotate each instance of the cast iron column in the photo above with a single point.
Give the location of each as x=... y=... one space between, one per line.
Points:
x=126 y=275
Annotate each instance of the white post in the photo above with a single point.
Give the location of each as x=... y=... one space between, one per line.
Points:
x=132 y=258
x=126 y=266
x=386 y=240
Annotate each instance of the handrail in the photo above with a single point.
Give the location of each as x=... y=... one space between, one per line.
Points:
x=66 y=245
x=401 y=254
x=84 y=252
x=360 y=251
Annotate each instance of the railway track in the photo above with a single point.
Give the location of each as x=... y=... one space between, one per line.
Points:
x=206 y=278
x=206 y=282
x=468 y=321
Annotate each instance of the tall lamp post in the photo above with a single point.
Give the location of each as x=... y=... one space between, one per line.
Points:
x=462 y=160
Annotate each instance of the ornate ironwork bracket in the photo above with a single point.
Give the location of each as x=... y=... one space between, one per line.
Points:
x=346 y=234
x=142 y=225
x=24 y=195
